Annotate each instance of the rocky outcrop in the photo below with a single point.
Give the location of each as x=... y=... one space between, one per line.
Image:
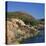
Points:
x=17 y=31
x=39 y=27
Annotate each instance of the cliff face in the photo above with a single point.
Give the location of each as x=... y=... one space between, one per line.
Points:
x=17 y=31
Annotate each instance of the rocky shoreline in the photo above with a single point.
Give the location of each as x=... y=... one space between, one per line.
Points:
x=17 y=30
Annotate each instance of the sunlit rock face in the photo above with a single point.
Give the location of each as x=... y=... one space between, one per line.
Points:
x=18 y=31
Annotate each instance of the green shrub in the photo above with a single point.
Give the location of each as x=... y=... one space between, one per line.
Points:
x=34 y=22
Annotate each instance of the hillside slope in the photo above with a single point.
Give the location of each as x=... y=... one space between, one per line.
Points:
x=27 y=18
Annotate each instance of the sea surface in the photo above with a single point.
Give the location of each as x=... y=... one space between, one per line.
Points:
x=39 y=39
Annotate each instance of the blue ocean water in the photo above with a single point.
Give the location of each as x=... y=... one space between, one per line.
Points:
x=39 y=39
